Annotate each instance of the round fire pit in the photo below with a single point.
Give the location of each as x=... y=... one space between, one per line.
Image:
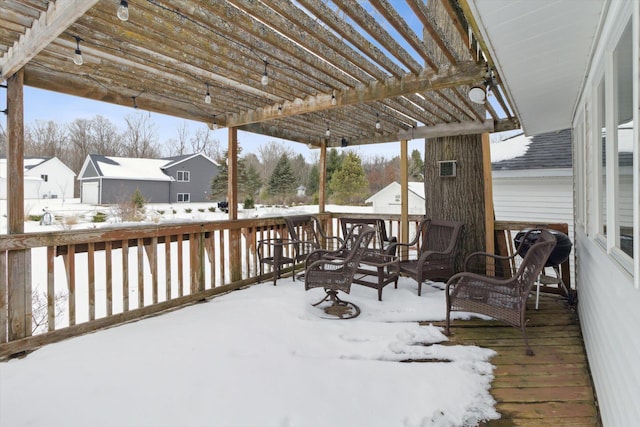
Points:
x=559 y=254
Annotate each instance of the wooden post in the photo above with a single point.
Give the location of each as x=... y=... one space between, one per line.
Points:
x=322 y=188
x=489 y=214
x=18 y=262
x=232 y=192
x=404 y=196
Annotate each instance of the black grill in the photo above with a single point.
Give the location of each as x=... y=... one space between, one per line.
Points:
x=559 y=254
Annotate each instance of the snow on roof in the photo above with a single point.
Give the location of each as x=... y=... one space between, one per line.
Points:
x=29 y=162
x=510 y=148
x=417 y=188
x=130 y=168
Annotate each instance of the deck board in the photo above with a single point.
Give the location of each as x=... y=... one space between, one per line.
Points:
x=551 y=388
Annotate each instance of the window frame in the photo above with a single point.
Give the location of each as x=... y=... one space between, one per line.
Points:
x=186 y=176
x=188 y=197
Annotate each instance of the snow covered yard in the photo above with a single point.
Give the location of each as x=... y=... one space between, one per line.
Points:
x=259 y=357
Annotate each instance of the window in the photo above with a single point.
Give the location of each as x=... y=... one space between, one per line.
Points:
x=623 y=78
x=45 y=178
x=602 y=123
x=183 y=176
x=184 y=197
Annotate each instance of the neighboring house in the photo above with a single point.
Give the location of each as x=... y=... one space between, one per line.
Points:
x=533 y=179
x=109 y=180
x=595 y=90
x=387 y=200
x=44 y=178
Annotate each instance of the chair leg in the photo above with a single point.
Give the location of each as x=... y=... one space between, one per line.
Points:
x=538 y=289
x=526 y=341
x=419 y=288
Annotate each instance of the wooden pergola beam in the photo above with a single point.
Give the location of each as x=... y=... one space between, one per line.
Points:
x=58 y=17
x=464 y=74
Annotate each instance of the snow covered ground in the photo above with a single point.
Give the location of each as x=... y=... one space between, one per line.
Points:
x=258 y=357
x=262 y=356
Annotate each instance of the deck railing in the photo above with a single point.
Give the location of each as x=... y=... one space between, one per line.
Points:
x=83 y=280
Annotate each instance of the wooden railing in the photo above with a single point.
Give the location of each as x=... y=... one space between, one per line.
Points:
x=96 y=278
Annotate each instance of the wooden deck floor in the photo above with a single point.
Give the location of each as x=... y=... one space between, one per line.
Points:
x=552 y=388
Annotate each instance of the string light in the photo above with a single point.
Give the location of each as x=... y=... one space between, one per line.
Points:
x=265 y=76
x=378 y=125
x=77 y=57
x=135 y=104
x=334 y=101
x=279 y=110
x=328 y=132
x=215 y=123
x=207 y=97
x=123 y=10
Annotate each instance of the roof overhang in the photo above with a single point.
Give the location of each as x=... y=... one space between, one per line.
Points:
x=541 y=50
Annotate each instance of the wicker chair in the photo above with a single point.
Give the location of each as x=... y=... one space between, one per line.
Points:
x=334 y=271
x=308 y=235
x=501 y=296
x=437 y=247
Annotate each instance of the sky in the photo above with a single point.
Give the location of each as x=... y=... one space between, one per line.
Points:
x=262 y=356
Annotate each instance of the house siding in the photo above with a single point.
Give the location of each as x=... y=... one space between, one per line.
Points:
x=608 y=292
x=115 y=191
x=202 y=172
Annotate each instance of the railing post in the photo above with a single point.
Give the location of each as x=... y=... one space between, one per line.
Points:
x=18 y=261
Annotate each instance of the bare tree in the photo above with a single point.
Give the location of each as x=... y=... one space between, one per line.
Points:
x=80 y=144
x=203 y=142
x=270 y=154
x=44 y=139
x=178 y=147
x=104 y=137
x=139 y=138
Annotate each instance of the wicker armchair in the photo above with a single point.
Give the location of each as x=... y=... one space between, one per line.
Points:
x=334 y=271
x=503 y=297
x=437 y=247
x=308 y=236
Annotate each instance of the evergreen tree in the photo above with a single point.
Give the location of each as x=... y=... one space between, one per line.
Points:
x=251 y=179
x=246 y=179
x=349 y=184
x=282 y=182
x=416 y=166
x=313 y=181
x=334 y=160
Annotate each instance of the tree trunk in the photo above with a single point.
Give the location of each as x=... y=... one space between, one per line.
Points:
x=459 y=198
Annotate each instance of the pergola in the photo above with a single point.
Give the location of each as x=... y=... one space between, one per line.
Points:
x=323 y=73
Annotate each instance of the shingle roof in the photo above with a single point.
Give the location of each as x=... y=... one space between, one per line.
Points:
x=550 y=150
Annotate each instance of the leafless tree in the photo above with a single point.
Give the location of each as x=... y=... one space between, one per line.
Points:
x=104 y=137
x=178 y=147
x=44 y=138
x=39 y=309
x=80 y=144
x=140 y=139
x=203 y=142
x=270 y=155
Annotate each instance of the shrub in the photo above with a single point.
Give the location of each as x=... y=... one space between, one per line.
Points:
x=137 y=199
x=248 y=203
x=200 y=209
x=99 y=217
x=37 y=218
x=161 y=211
x=212 y=208
x=188 y=210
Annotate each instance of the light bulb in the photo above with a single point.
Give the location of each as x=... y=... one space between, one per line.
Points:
x=328 y=133
x=265 y=79
x=123 y=11
x=334 y=101
x=378 y=125
x=207 y=98
x=279 y=110
x=77 y=58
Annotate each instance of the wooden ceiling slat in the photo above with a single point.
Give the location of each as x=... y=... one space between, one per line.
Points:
x=314 y=30
x=410 y=36
x=44 y=30
x=430 y=25
x=346 y=30
x=301 y=38
x=377 y=32
x=431 y=108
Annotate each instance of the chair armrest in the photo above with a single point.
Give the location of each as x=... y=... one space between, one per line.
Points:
x=426 y=256
x=468 y=260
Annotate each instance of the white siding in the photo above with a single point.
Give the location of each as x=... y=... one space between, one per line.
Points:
x=539 y=199
x=609 y=310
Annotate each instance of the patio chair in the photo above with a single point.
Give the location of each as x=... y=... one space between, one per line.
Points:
x=381 y=240
x=334 y=271
x=491 y=294
x=436 y=244
x=308 y=235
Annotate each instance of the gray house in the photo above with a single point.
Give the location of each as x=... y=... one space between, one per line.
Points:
x=108 y=180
